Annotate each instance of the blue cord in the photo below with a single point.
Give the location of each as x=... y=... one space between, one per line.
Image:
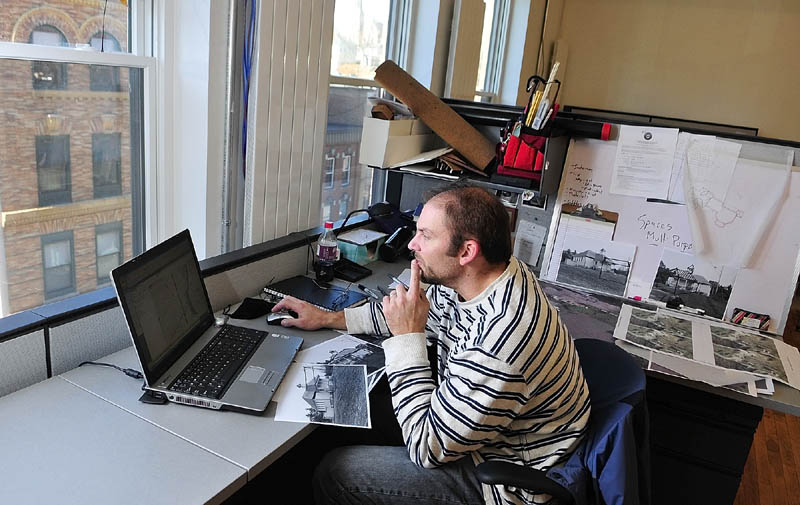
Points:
x=247 y=57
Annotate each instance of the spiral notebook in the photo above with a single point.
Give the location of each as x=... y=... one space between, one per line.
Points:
x=330 y=298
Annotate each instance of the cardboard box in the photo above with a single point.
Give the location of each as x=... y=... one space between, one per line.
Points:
x=385 y=143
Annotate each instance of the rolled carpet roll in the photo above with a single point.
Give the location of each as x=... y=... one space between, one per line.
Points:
x=439 y=117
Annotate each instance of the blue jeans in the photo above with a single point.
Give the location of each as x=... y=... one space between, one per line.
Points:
x=368 y=474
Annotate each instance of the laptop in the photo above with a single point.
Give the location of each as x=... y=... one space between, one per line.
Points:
x=184 y=354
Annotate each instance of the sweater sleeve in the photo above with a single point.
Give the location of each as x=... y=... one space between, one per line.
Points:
x=478 y=398
x=368 y=319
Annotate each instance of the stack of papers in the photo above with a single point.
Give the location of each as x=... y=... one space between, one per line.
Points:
x=706 y=350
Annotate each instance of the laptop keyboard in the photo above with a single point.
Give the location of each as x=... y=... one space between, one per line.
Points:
x=212 y=369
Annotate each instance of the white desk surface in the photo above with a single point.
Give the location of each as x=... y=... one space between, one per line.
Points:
x=61 y=444
x=250 y=441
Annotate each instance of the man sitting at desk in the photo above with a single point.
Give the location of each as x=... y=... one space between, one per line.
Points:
x=508 y=384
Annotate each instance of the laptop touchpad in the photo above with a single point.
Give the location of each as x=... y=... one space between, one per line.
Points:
x=252 y=374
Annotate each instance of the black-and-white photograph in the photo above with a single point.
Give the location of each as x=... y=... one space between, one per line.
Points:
x=696 y=282
x=509 y=198
x=600 y=265
x=656 y=331
x=325 y=394
x=361 y=354
x=747 y=352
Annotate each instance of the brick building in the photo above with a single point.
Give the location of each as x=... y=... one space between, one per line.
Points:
x=65 y=154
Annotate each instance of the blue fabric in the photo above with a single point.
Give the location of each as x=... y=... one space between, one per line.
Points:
x=612 y=464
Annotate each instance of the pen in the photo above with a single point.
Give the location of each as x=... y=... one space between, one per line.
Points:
x=368 y=291
x=398 y=280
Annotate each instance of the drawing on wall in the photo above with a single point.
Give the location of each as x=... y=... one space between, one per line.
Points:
x=722 y=215
x=698 y=283
x=601 y=265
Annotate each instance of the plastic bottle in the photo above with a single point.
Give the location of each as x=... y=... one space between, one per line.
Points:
x=327 y=254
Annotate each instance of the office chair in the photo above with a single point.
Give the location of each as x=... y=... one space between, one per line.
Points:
x=611 y=465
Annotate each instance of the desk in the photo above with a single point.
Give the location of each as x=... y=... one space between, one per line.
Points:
x=61 y=444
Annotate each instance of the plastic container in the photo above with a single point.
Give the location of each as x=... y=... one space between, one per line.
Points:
x=327 y=254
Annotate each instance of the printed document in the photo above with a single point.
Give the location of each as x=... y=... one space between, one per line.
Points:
x=643 y=165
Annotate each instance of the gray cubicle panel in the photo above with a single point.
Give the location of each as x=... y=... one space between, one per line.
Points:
x=23 y=362
x=87 y=339
x=231 y=286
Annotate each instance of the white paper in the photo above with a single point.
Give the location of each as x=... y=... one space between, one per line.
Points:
x=570 y=226
x=676 y=184
x=653 y=227
x=361 y=236
x=732 y=202
x=643 y=163
x=528 y=241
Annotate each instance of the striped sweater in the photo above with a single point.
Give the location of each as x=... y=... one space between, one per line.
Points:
x=509 y=384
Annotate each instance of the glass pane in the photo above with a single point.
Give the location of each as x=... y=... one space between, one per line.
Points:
x=57 y=254
x=59 y=279
x=66 y=23
x=347 y=107
x=108 y=243
x=105 y=264
x=488 y=17
x=51 y=141
x=360 y=33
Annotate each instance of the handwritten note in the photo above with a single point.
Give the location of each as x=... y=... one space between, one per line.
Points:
x=655 y=227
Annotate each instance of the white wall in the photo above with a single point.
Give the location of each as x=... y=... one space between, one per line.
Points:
x=724 y=61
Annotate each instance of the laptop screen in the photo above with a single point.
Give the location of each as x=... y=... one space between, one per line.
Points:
x=165 y=302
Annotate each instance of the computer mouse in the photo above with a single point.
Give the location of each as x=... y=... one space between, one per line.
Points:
x=277 y=317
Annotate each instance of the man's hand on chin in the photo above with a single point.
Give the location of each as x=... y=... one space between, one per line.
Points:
x=407 y=311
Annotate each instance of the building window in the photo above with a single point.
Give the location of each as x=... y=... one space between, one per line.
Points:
x=346 y=169
x=104 y=77
x=343 y=204
x=327 y=177
x=106 y=164
x=58 y=264
x=53 y=169
x=48 y=74
x=108 y=242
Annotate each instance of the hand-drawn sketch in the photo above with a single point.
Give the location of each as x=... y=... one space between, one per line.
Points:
x=722 y=215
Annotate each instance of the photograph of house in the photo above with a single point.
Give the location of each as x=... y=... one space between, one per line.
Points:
x=335 y=394
x=697 y=283
x=600 y=265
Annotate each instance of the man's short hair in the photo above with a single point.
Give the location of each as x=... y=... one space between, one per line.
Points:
x=474 y=213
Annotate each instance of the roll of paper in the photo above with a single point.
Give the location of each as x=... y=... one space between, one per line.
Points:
x=439 y=117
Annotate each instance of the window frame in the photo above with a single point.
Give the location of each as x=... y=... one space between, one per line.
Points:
x=54 y=197
x=107 y=189
x=331 y=172
x=496 y=54
x=62 y=82
x=53 y=238
x=95 y=84
x=114 y=226
x=347 y=163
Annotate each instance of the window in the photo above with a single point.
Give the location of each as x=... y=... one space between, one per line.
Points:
x=69 y=142
x=52 y=167
x=362 y=39
x=343 y=204
x=327 y=176
x=346 y=170
x=108 y=242
x=106 y=164
x=58 y=264
x=104 y=77
x=48 y=74
x=493 y=42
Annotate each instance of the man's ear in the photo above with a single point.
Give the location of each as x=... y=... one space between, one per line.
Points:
x=470 y=250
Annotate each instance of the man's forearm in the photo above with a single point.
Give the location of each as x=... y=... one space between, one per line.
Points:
x=335 y=320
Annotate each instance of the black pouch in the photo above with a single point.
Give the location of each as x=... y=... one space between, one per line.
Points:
x=252 y=308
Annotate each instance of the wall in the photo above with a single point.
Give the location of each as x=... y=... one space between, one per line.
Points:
x=725 y=61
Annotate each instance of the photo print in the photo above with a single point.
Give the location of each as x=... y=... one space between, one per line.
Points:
x=655 y=331
x=600 y=265
x=698 y=284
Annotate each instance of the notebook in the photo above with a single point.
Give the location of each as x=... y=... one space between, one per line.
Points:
x=330 y=298
x=182 y=351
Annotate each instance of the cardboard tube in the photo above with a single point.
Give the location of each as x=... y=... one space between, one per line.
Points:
x=440 y=118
